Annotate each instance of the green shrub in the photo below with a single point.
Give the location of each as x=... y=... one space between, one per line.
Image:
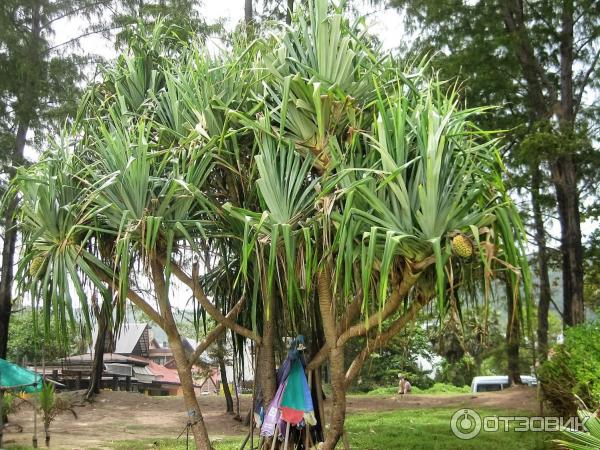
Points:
x=458 y=373
x=573 y=370
x=384 y=391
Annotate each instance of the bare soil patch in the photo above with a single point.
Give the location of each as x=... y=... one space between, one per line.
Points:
x=117 y=416
x=519 y=398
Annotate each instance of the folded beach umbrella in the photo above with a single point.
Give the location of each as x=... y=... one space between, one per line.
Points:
x=293 y=402
x=296 y=402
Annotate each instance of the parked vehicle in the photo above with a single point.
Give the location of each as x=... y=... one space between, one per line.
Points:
x=498 y=382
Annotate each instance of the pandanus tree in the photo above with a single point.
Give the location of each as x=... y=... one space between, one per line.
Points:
x=301 y=184
x=118 y=203
x=377 y=196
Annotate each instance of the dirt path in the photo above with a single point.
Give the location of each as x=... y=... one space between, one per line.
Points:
x=516 y=398
x=118 y=416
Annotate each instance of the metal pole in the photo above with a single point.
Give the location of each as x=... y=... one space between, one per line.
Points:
x=253 y=350
x=306 y=425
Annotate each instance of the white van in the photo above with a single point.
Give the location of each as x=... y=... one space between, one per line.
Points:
x=498 y=383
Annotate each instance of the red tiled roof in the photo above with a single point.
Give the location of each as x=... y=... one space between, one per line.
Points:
x=163 y=374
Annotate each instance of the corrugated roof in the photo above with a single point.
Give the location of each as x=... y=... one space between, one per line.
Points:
x=143 y=374
x=129 y=337
x=87 y=358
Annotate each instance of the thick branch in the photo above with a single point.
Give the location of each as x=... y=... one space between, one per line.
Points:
x=351 y=314
x=214 y=312
x=327 y=307
x=134 y=297
x=390 y=308
x=382 y=338
x=346 y=332
x=216 y=332
x=319 y=358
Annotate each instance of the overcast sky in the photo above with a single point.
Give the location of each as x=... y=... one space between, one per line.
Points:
x=387 y=24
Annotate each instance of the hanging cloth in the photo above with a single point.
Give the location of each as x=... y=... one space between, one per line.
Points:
x=272 y=416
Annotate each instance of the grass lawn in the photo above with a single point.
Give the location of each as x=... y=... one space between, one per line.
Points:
x=394 y=430
x=430 y=429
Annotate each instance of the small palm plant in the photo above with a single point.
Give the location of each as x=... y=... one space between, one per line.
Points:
x=50 y=405
x=583 y=440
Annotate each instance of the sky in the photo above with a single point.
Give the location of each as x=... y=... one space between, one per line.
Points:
x=384 y=22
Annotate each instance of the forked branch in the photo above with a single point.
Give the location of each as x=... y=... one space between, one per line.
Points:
x=211 y=309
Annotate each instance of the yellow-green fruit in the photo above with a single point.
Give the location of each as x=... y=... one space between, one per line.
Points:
x=36 y=265
x=461 y=246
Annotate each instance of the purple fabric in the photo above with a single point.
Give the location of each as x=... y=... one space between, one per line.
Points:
x=284 y=370
x=272 y=416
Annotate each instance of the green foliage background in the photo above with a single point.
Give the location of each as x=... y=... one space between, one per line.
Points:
x=574 y=370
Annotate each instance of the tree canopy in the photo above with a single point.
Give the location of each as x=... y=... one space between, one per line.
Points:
x=303 y=183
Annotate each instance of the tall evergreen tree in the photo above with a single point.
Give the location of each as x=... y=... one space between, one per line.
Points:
x=184 y=14
x=38 y=89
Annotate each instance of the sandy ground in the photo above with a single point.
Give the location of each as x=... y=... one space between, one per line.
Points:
x=117 y=416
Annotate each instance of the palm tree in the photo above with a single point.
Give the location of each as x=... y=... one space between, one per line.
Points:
x=50 y=405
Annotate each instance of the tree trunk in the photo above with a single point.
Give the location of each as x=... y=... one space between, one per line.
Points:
x=512 y=337
x=564 y=173
x=8 y=248
x=47 y=434
x=563 y=169
x=184 y=369
x=187 y=386
x=225 y=382
x=545 y=295
x=98 y=363
x=567 y=195
x=289 y=11
x=267 y=377
x=248 y=14
x=336 y=361
x=26 y=110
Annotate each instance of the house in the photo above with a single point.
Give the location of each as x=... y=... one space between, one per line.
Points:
x=137 y=359
x=207 y=377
